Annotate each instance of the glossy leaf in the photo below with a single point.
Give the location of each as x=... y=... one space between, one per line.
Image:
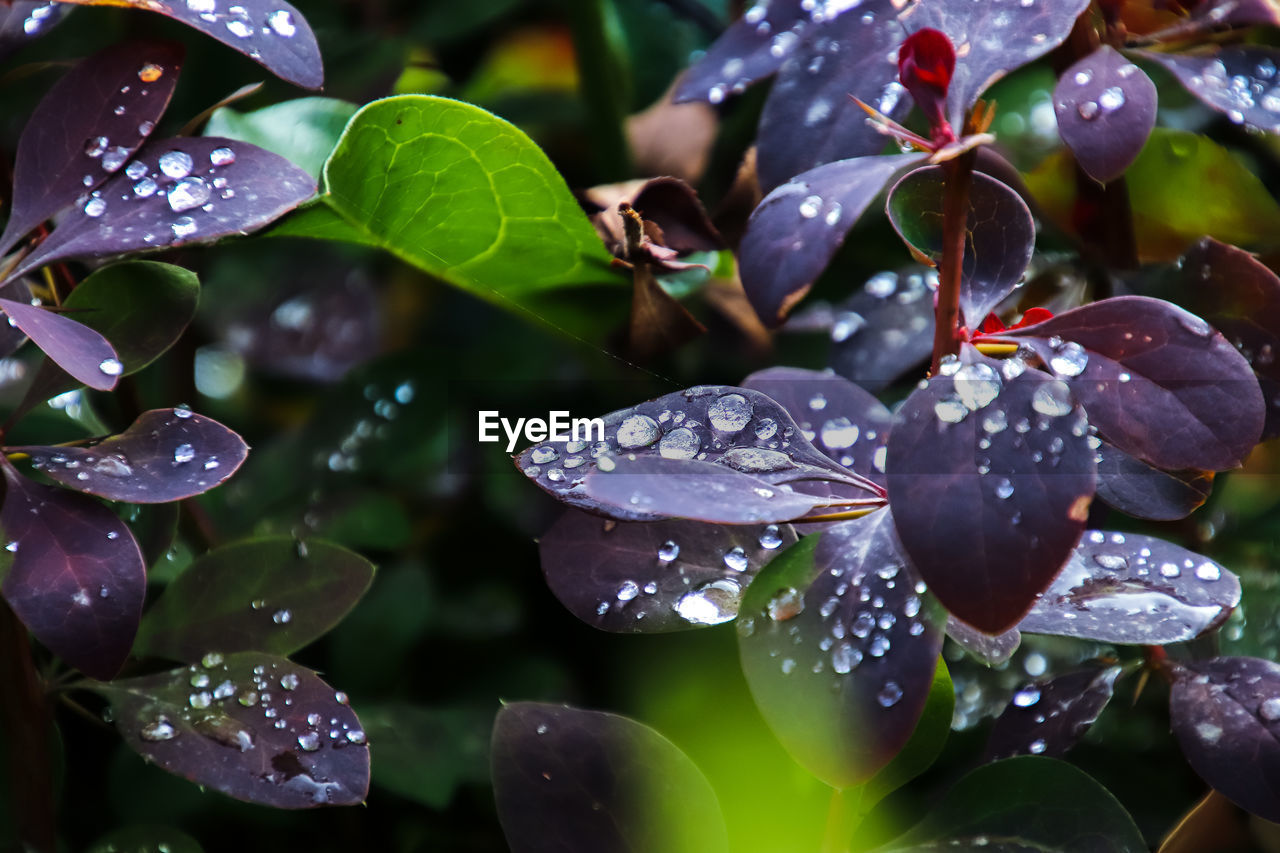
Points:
x=839 y=649
x=87 y=127
x=1049 y=717
x=1043 y=805
x=164 y=455
x=991 y=649
x=742 y=431
x=254 y=726
x=990 y=477
x=270 y=32
x=303 y=131
x=796 y=230
x=572 y=781
x=653 y=577
x=1226 y=715
x=1138 y=365
x=83 y=353
x=884 y=329
x=177 y=192
x=72 y=573
x=271 y=594
x=1135 y=488
x=999 y=234
x=926 y=743
x=1237 y=80
x=426 y=754
x=1106 y=107
x=26 y=20
x=1128 y=588
x=751 y=49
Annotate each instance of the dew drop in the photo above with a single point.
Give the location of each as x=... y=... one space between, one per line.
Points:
x=786 y=604
x=1111 y=99
x=770 y=538
x=183 y=453
x=1269 y=710
x=730 y=413
x=628 y=590
x=889 y=694
x=111 y=367
x=839 y=433
x=222 y=157
x=1037 y=746
x=95 y=207
x=211 y=659
x=669 y=551
x=1208 y=572
x=159 y=730
x=289 y=681
x=810 y=206
x=188 y=193
x=1088 y=110
x=680 y=443
x=176 y=164
x=309 y=742
x=282 y=617
x=1069 y=360
x=1026 y=697
x=150 y=73
x=712 y=603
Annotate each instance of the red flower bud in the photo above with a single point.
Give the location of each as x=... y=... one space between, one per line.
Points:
x=926 y=61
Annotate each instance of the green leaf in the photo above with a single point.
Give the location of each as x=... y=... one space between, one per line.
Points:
x=270 y=595
x=426 y=754
x=146 y=838
x=303 y=131
x=462 y=195
x=1035 y=803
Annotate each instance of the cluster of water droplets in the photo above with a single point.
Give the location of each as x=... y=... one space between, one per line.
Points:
x=1246 y=95
x=367 y=427
x=984 y=690
x=974 y=386
x=40 y=18
x=239 y=22
x=1108 y=101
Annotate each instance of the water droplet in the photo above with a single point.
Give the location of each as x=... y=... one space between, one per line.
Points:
x=766 y=429
x=1111 y=99
x=222 y=157
x=309 y=742
x=736 y=559
x=135 y=170
x=712 y=603
x=839 y=433
x=95 y=145
x=770 y=538
x=282 y=617
x=188 y=193
x=889 y=694
x=810 y=206
x=282 y=22
x=730 y=413
x=183 y=453
x=200 y=700
x=183 y=226
x=1269 y=710
x=786 y=604
x=1088 y=110
x=1037 y=746
x=176 y=164
x=1111 y=562
x=950 y=410
x=977 y=385
x=845 y=658
x=1208 y=572
x=159 y=730
x=1052 y=399
x=239 y=29
x=628 y=590
x=1026 y=697
x=289 y=681
x=756 y=460
x=543 y=455
x=1082 y=78
x=145 y=188
x=1069 y=360
x=1004 y=488
x=638 y=431
x=95 y=207
x=114 y=158
x=680 y=443
x=211 y=659
x=111 y=367
x=150 y=73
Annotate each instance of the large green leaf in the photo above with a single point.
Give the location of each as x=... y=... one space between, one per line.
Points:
x=461 y=194
x=303 y=131
x=425 y=754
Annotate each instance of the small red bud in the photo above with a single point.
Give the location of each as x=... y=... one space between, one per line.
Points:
x=926 y=61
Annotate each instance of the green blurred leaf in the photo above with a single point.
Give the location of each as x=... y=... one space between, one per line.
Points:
x=303 y=131
x=391 y=618
x=426 y=754
x=271 y=594
x=146 y=838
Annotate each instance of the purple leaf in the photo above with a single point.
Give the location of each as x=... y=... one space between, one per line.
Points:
x=1106 y=107
x=1237 y=13
x=738 y=429
x=796 y=230
x=176 y=192
x=991 y=649
x=990 y=477
x=270 y=32
x=839 y=649
x=1135 y=488
x=165 y=455
x=654 y=577
x=1138 y=365
x=254 y=726
x=1050 y=717
x=1000 y=234
x=83 y=353
x=1212 y=76
x=75 y=576
x=1226 y=715
x=86 y=127
x=648 y=488
x=26 y=20
x=572 y=781
x=751 y=49
x=1128 y=588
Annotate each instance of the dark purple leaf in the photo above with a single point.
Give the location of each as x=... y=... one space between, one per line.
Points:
x=176 y=192
x=990 y=477
x=1139 y=365
x=991 y=649
x=649 y=489
x=885 y=328
x=270 y=32
x=751 y=49
x=27 y=20
x=1212 y=76
x=992 y=39
x=571 y=781
x=254 y=726
x=1135 y=488
x=86 y=127
x=273 y=594
x=1128 y=588
x=74 y=574
x=1106 y=107
x=810 y=117
x=669 y=203
x=738 y=429
x=165 y=455
x=1048 y=718
x=1239 y=13
x=83 y=353
x=652 y=577
x=1000 y=234
x=796 y=230
x=839 y=649
x=1226 y=715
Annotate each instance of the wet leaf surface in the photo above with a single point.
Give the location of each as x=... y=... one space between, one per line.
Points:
x=884 y=329
x=839 y=649
x=751 y=49
x=990 y=477
x=26 y=20
x=796 y=230
x=1129 y=588
x=1000 y=234
x=1106 y=107
x=165 y=455
x=1138 y=365
x=86 y=128
x=254 y=726
x=1050 y=717
x=427 y=754
x=1135 y=488
x=654 y=577
x=572 y=781
x=1226 y=715
x=303 y=131
x=84 y=354
x=74 y=574
x=991 y=649
x=271 y=594
x=270 y=32
x=176 y=192
x=1239 y=81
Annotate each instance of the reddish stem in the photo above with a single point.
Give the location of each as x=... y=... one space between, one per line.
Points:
x=955 y=214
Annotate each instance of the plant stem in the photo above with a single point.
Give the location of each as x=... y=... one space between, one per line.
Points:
x=955 y=215
x=836 y=837
x=604 y=91
x=24 y=719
